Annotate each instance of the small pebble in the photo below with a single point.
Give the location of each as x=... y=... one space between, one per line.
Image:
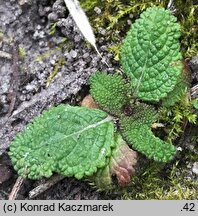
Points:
x=24 y=2
x=38 y=34
x=77 y=38
x=38 y=27
x=86 y=55
x=131 y=16
x=29 y=87
x=129 y=22
x=52 y=61
x=189 y=165
x=52 y=17
x=47 y=9
x=97 y=10
x=4 y=87
x=3 y=99
x=5 y=173
x=73 y=53
x=195 y=168
x=102 y=31
x=179 y=148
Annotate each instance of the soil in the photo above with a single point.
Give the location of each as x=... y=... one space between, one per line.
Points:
x=29 y=54
x=25 y=25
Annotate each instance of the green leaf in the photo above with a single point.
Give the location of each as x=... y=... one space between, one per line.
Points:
x=121 y=164
x=73 y=141
x=110 y=92
x=195 y=103
x=136 y=130
x=179 y=92
x=150 y=54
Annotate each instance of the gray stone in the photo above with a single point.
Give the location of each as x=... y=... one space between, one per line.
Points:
x=97 y=10
x=73 y=53
x=193 y=63
x=102 y=31
x=52 y=17
x=195 y=168
x=25 y=2
x=42 y=50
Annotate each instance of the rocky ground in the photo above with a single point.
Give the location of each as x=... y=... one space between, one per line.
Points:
x=32 y=48
x=24 y=93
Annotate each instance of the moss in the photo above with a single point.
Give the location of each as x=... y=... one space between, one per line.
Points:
x=58 y=65
x=186 y=12
x=115 y=49
x=52 y=51
x=89 y=5
x=115 y=15
x=155 y=183
x=175 y=119
x=1 y=35
x=22 y=52
x=47 y=54
x=173 y=181
x=52 y=29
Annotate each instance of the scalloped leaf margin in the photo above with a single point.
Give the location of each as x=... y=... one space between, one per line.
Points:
x=136 y=130
x=122 y=164
x=150 y=54
x=72 y=141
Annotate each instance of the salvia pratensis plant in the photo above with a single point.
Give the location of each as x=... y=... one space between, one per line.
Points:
x=94 y=143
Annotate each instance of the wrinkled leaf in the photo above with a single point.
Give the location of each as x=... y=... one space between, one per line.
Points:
x=136 y=130
x=109 y=91
x=150 y=54
x=73 y=141
x=121 y=164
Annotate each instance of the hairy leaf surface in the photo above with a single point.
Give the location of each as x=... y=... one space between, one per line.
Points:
x=110 y=92
x=73 y=141
x=136 y=130
x=150 y=54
